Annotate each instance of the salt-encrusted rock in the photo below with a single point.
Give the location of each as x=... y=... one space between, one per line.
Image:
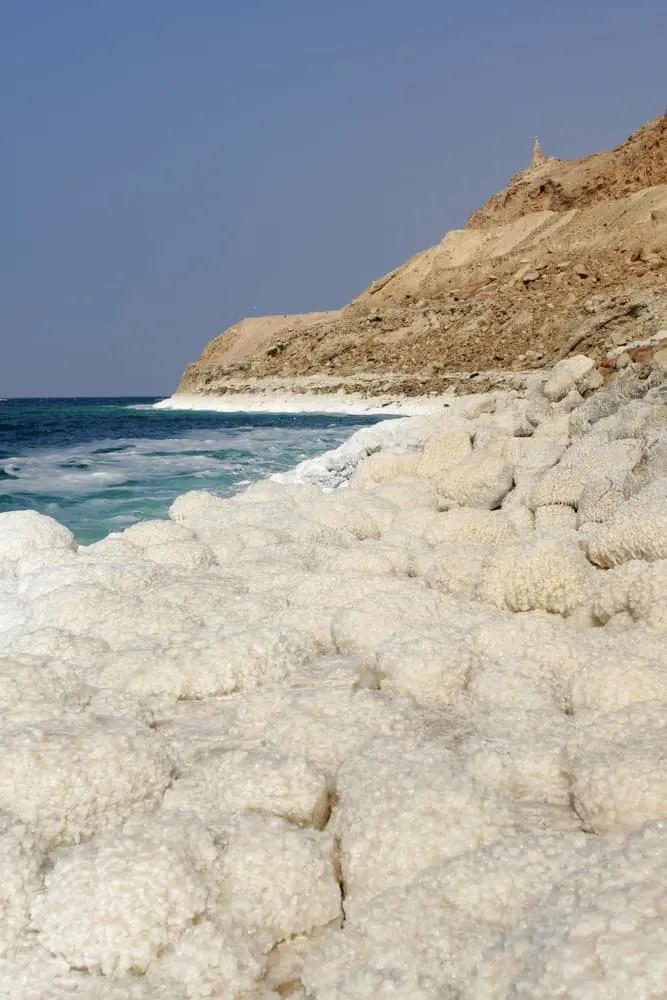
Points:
x=431 y=665
x=73 y=777
x=546 y=574
x=29 y=972
x=259 y=781
x=210 y=960
x=584 y=463
x=277 y=879
x=526 y=661
x=652 y=465
x=370 y=558
x=455 y=568
x=647 y=601
x=600 y=932
x=502 y=681
x=198 y=504
x=600 y=498
x=21 y=861
x=435 y=811
x=212 y=665
x=90 y=609
x=13 y=613
x=443 y=451
x=613 y=589
x=481 y=480
x=470 y=524
x=63 y=647
x=637 y=530
x=555 y=516
x=146 y=534
x=617 y=767
x=131 y=576
x=112 y=906
x=520 y=754
x=428 y=936
x=324 y=726
x=364 y=625
x=565 y=375
x=407 y=493
x=27 y=681
x=23 y=532
x=605 y=687
x=636 y=419
x=596 y=408
x=383 y=467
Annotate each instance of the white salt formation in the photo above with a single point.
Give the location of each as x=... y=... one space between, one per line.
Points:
x=391 y=725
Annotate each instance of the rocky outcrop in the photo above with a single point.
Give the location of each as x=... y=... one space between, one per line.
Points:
x=571 y=256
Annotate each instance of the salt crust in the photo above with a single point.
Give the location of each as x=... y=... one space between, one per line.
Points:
x=404 y=737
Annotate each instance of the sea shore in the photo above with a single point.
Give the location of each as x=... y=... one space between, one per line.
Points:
x=392 y=724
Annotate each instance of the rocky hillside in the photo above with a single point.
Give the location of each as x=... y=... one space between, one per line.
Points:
x=570 y=256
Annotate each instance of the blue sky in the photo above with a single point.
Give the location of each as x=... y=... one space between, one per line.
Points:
x=169 y=166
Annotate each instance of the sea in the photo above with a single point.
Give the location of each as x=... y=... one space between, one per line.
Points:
x=99 y=465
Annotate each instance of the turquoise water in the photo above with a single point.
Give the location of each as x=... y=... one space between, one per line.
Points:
x=98 y=465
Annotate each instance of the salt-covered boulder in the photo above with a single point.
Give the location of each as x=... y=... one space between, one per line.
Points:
x=114 y=905
x=210 y=959
x=276 y=879
x=555 y=517
x=481 y=480
x=455 y=568
x=584 y=464
x=23 y=532
x=520 y=754
x=168 y=543
x=637 y=529
x=211 y=665
x=607 y=686
x=617 y=767
x=565 y=375
x=599 y=932
x=435 y=811
x=73 y=777
x=21 y=876
x=431 y=665
x=382 y=467
x=32 y=688
x=647 y=601
x=363 y=625
x=427 y=937
x=547 y=574
x=444 y=450
x=259 y=780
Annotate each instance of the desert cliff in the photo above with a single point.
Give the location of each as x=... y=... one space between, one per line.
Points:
x=570 y=257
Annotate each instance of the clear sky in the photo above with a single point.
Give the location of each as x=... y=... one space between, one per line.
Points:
x=168 y=166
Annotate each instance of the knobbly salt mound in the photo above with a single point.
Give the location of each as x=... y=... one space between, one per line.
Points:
x=392 y=725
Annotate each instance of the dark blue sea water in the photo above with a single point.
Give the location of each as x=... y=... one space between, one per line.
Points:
x=98 y=465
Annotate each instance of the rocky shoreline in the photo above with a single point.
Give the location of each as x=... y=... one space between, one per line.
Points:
x=402 y=738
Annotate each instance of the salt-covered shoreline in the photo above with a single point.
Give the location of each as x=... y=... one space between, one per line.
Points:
x=401 y=739
x=285 y=402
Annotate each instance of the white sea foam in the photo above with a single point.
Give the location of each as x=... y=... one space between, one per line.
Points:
x=269 y=402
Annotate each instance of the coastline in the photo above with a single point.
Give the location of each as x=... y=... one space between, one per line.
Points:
x=361 y=394
x=207 y=711
x=284 y=402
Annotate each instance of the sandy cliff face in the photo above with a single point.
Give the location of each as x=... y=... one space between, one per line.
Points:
x=570 y=256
